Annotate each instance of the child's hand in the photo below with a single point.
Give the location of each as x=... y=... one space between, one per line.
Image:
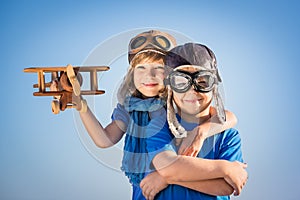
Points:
x=192 y=144
x=236 y=176
x=152 y=184
x=54 y=87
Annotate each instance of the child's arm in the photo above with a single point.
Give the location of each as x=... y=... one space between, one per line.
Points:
x=153 y=183
x=215 y=187
x=177 y=168
x=102 y=137
x=191 y=145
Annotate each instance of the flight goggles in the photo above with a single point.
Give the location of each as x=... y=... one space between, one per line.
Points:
x=151 y=40
x=181 y=81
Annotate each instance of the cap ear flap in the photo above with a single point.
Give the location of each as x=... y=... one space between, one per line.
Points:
x=175 y=127
x=219 y=105
x=127 y=87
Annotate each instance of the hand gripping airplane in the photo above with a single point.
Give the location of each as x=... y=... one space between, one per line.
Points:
x=68 y=94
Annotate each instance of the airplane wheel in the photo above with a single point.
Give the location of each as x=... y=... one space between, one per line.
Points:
x=83 y=105
x=55 y=106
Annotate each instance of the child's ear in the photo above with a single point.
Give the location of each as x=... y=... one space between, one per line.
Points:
x=212 y=111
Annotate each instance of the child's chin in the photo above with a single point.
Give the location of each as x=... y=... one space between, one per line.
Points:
x=150 y=94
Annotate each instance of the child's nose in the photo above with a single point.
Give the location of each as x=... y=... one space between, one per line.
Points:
x=152 y=72
x=193 y=89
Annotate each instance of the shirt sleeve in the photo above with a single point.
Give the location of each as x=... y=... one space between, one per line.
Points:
x=120 y=113
x=230 y=146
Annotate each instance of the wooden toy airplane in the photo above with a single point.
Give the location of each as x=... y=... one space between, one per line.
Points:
x=69 y=79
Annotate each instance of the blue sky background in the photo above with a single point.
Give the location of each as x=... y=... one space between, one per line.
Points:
x=46 y=156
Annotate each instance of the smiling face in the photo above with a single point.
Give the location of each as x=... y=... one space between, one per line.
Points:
x=148 y=77
x=193 y=106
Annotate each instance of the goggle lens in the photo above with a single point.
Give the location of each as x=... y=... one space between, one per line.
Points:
x=203 y=81
x=138 y=42
x=158 y=41
x=162 y=42
x=180 y=82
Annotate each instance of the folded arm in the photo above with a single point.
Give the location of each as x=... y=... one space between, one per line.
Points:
x=177 y=168
x=169 y=164
x=215 y=187
x=153 y=183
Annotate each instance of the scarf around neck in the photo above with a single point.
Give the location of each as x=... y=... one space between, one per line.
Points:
x=135 y=162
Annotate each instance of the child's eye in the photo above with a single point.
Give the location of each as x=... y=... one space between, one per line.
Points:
x=160 y=67
x=140 y=67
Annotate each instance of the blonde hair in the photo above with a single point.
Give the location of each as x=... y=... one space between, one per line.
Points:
x=127 y=87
